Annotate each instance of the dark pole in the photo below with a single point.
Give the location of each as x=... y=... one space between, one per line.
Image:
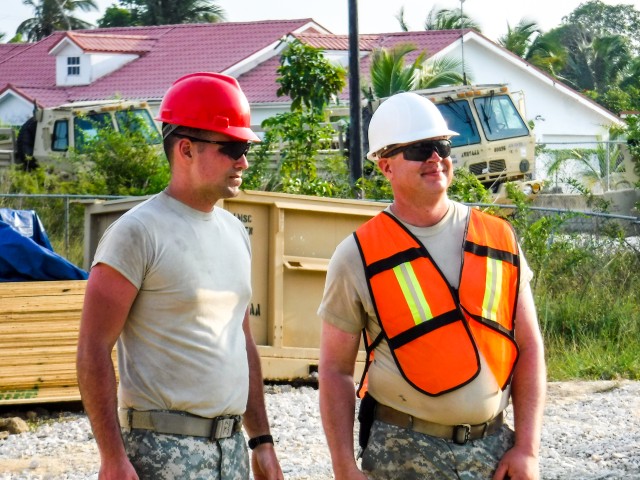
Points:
x=355 y=127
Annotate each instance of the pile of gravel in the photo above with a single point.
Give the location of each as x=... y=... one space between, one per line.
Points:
x=591 y=431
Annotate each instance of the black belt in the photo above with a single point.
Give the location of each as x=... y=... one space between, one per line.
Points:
x=459 y=434
x=180 y=423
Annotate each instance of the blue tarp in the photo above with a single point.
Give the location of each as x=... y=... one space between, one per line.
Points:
x=26 y=253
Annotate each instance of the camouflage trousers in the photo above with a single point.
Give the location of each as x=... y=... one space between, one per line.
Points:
x=396 y=453
x=157 y=456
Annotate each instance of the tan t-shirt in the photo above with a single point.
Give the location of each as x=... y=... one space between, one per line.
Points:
x=347 y=305
x=182 y=347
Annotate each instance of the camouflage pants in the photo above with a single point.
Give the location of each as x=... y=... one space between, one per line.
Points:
x=396 y=453
x=156 y=456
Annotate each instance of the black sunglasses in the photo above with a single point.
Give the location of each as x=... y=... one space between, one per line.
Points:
x=235 y=150
x=421 y=151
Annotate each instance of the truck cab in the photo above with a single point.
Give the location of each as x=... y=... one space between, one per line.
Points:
x=52 y=132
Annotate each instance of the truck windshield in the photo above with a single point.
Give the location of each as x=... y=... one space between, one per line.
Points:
x=138 y=120
x=499 y=117
x=86 y=128
x=458 y=116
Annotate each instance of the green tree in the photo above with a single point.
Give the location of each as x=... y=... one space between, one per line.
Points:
x=600 y=166
x=388 y=71
x=390 y=75
x=528 y=41
x=52 y=15
x=308 y=78
x=121 y=163
x=438 y=72
x=116 y=16
x=441 y=19
x=593 y=63
x=449 y=19
x=159 y=12
x=297 y=137
x=601 y=20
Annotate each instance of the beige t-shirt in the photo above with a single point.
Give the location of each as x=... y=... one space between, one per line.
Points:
x=347 y=305
x=182 y=347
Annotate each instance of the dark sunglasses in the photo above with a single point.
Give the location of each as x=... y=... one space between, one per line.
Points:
x=235 y=150
x=421 y=151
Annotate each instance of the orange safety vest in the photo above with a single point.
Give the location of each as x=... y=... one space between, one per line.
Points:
x=435 y=332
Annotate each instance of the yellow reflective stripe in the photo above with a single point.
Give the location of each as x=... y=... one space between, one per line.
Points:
x=412 y=292
x=493 y=289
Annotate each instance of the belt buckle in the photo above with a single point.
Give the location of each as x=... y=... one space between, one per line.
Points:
x=461 y=433
x=222 y=427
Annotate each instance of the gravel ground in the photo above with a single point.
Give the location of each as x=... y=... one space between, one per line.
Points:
x=591 y=431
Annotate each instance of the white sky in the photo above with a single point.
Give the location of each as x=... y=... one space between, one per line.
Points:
x=374 y=16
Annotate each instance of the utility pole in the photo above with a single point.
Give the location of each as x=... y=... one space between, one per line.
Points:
x=464 y=74
x=355 y=124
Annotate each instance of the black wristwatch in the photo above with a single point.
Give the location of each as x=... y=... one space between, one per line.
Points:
x=255 y=441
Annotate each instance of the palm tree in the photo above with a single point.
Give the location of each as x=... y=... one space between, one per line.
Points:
x=442 y=71
x=400 y=17
x=51 y=15
x=159 y=12
x=600 y=166
x=449 y=19
x=593 y=63
x=529 y=42
x=444 y=19
x=389 y=74
x=518 y=40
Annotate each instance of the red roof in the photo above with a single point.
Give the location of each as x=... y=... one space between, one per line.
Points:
x=260 y=84
x=169 y=51
x=107 y=43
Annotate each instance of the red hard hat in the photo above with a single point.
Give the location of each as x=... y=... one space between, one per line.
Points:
x=208 y=101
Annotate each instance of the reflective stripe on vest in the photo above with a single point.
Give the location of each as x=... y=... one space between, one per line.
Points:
x=433 y=337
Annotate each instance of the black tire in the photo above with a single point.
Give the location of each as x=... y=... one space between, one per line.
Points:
x=25 y=144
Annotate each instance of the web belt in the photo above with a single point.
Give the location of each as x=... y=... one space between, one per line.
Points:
x=459 y=434
x=180 y=423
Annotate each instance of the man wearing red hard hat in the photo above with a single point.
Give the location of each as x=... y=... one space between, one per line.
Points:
x=170 y=283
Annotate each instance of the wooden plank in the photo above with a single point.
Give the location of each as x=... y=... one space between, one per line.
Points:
x=37 y=289
x=47 y=303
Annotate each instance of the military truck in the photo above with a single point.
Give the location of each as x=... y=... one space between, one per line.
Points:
x=495 y=142
x=52 y=132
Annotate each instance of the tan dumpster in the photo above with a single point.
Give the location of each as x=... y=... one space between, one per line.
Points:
x=292 y=238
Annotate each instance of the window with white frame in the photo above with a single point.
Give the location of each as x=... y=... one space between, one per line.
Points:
x=73 y=65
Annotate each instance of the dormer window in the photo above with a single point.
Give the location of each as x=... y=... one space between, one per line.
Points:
x=73 y=65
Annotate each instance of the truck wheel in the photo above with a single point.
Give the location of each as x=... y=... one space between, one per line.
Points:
x=25 y=144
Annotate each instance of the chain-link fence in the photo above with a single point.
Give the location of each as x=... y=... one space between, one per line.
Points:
x=599 y=167
x=63 y=219
x=61 y=215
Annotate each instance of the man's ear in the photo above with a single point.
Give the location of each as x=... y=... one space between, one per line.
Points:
x=184 y=147
x=385 y=166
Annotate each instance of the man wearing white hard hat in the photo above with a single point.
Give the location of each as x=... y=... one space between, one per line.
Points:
x=441 y=292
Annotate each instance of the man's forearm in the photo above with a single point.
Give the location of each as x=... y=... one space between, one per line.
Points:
x=337 y=409
x=98 y=389
x=528 y=394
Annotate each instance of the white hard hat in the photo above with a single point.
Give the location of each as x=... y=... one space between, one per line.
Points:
x=404 y=118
